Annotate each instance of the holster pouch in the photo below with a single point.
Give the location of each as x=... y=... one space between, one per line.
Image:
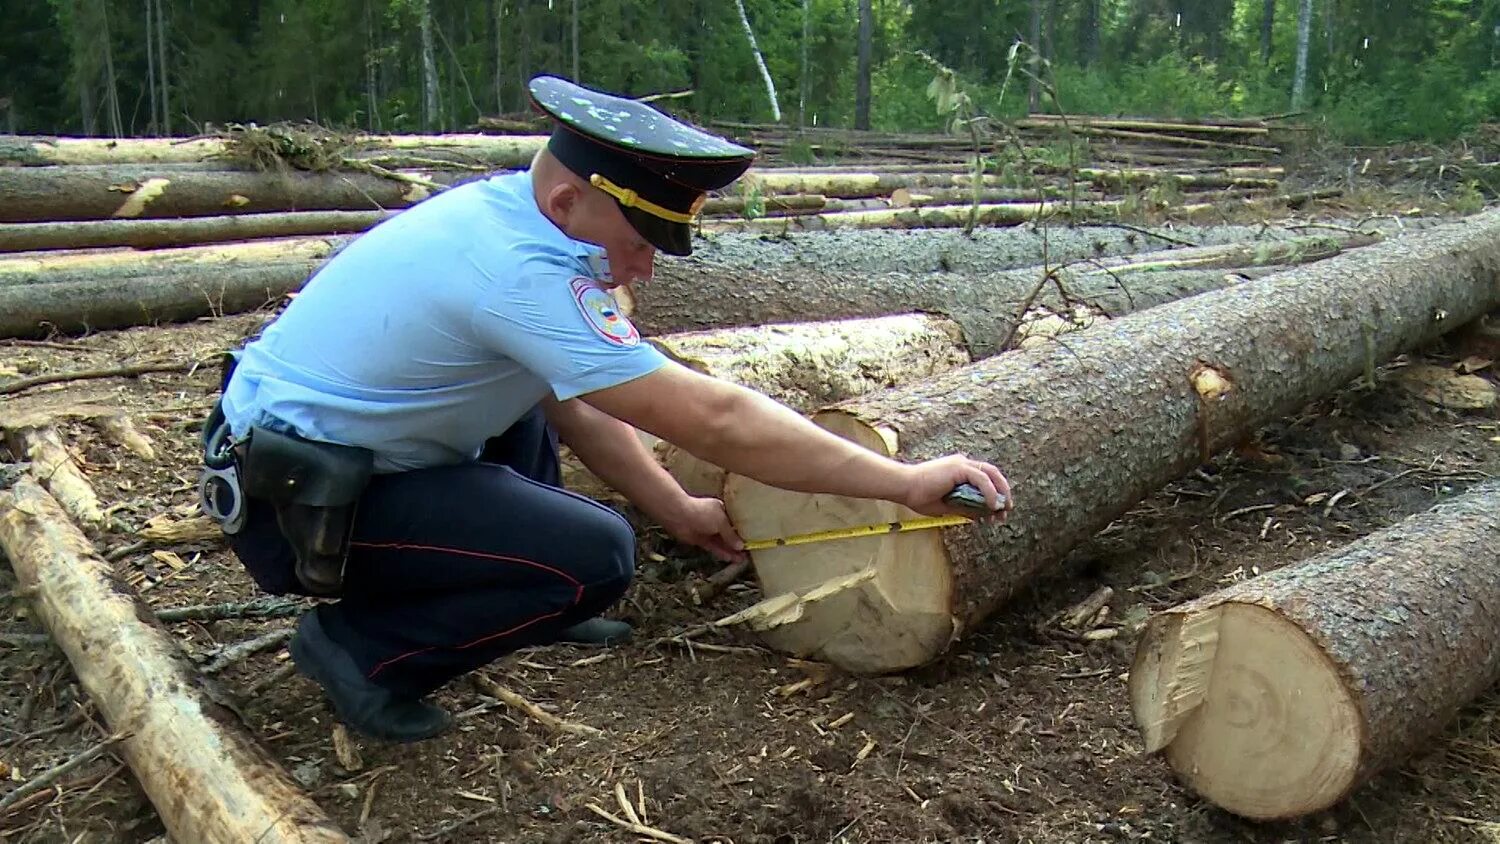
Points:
x=314 y=488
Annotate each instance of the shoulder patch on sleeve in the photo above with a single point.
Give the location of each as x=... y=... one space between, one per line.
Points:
x=602 y=313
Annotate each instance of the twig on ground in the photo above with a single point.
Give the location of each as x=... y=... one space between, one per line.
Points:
x=450 y=826
x=638 y=829
x=536 y=713
x=47 y=777
x=259 y=608
x=271 y=679
x=20 y=384
x=234 y=653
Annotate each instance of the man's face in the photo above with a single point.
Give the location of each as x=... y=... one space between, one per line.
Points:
x=597 y=219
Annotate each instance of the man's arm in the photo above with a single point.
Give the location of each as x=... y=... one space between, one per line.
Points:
x=612 y=450
x=752 y=435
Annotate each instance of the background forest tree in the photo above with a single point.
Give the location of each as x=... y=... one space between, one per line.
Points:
x=1372 y=70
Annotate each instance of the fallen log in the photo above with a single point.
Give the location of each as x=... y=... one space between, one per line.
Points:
x=853 y=185
x=1085 y=430
x=45 y=267
x=1325 y=673
x=91 y=302
x=53 y=463
x=208 y=779
x=1165 y=127
x=495 y=150
x=931 y=217
x=808 y=365
x=156 y=233
x=702 y=293
x=95 y=192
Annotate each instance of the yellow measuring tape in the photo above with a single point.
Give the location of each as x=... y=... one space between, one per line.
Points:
x=925 y=523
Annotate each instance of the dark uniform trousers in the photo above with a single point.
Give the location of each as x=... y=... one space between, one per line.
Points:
x=450 y=568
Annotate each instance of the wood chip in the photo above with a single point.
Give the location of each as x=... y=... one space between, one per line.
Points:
x=345 y=749
x=864 y=752
x=841 y=720
x=170 y=559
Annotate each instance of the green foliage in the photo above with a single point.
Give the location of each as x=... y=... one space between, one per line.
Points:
x=1379 y=70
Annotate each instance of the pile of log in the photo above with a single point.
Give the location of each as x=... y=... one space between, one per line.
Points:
x=155 y=192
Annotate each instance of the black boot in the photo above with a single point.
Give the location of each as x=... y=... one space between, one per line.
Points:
x=371 y=709
x=605 y=632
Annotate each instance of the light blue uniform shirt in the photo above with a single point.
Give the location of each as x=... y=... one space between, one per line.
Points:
x=438 y=329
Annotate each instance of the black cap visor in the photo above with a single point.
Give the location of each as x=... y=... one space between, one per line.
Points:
x=671 y=238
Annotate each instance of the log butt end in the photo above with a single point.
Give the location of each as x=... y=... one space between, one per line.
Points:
x=869 y=604
x=1249 y=712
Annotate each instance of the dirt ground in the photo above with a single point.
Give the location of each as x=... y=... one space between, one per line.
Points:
x=1020 y=733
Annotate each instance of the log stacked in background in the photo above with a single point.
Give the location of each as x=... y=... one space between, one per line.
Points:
x=1086 y=429
x=1278 y=696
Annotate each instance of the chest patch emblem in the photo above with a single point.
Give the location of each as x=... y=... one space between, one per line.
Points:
x=602 y=314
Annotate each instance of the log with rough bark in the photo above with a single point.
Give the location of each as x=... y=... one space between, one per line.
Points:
x=494 y=150
x=1085 y=430
x=808 y=365
x=208 y=779
x=151 y=234
x=92 y=301
x=97 y=192
x=1278 y=696
x=697 y=294
x=931 y=217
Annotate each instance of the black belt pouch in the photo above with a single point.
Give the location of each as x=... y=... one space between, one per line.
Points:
x=314 y=488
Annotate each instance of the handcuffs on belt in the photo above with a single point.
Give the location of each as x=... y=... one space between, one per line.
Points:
x=312 y=486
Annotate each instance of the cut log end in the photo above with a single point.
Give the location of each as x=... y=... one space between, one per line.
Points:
x=1248 y=710
x=870 y=604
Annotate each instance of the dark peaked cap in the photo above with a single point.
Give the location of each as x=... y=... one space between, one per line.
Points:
x=657 y=168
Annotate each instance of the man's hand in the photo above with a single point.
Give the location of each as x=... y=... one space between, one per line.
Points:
x=932 y=480
x=704 y=523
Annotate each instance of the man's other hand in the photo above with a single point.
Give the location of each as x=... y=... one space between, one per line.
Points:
x=704 y=523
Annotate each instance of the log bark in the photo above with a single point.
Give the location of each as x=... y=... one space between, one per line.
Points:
x=808 y=365
x=91 y=302
x=157 y=233
x=208 y=779
x=1087 y=429
x=696 y=294
x=494 y=150
x=1325 y=673
x=930 y=217
x=97 y=192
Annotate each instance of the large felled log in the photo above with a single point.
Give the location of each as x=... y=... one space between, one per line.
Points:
x=1278 y=696
x=209 y=780
x=807 y=365
x=494 y=150
x=97 y=301
x=702 y=293
x=93 y=192
x=155 y=233
x=1088 y=428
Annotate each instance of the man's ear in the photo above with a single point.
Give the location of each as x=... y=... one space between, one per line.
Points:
x=562 y=201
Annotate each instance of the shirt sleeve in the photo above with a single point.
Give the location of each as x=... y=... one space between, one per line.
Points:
x=564 y=328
